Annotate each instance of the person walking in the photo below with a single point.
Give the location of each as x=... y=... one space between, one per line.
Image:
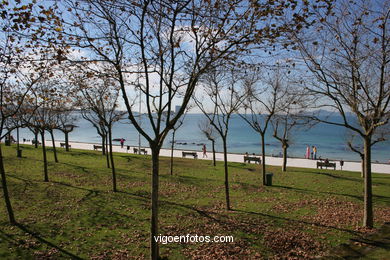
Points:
x=122 y=142
x=314 y=152
x=204 y=151
x=307 y=152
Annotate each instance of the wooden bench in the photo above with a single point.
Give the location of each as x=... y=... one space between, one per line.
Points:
x=252 y=158
x=63 y=145
x=194 y=154
x=135 y=150
x=96 y=147
x=326 y=165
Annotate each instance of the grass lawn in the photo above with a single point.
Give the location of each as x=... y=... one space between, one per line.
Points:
x=76 y=215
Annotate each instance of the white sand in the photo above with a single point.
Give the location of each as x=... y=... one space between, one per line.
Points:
x=233 y=157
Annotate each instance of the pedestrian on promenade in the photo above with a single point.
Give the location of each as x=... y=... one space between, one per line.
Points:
x=204 y=151
x=314 y=152
x=122 y=142
x=307 y=156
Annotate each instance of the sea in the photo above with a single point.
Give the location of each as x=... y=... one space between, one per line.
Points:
x=330 y=140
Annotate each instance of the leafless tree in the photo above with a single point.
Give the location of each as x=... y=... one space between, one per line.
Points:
x=23 y=61
x=347 y=53
x=223 y=89
x=162 y=48
x=210 y=133
x=261 y=103
x=101 y=102
x=174 y=129
x=294 y=112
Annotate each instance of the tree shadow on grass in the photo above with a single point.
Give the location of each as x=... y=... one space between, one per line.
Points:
x=378 y=197
x=290 y=220
x=363 y=247
x=43 y=240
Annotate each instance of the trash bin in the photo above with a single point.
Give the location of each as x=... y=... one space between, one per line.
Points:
x=19 y=153
x=268 y=178
x=7 y=142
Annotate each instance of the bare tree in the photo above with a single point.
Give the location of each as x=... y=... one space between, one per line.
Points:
x=66 y=120
x=293 y=115
x=210 y=133
x=347 y=53
x=101 y=100
x=167 y=45
x=174 y=129
x=224 y=91
x=261 y=104
x=21 y=61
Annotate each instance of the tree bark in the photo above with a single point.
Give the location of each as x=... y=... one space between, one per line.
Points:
x=154 y=252
x=173 y=145
x=103 y=145
x=263 y=157
x=7 y=200
x=107 y=156
x=226 y=173
x=363 y=168
x=17 y=142
x=368 y=220
x=36 y=139
x=213 y=147
x=54 y=146
x=112 y=160
x=46 y=176
x=67 y=141
x=284 y=166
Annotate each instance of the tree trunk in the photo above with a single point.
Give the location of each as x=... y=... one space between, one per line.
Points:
x=226 y=174
x=54 y=146
x=103 y=145
x=17 y=142
x=67 y=141
x=8 y=205
x=363 y=168
x=107 y=156
x=36 y=139
x=173 y=145
x=263 y=158
x=154 y=251
x=213 y=146
x=44 y=156
x=112 y=161
x=284 y=166
x=368 y=214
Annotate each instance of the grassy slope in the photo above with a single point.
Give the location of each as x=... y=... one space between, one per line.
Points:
x=75 y=214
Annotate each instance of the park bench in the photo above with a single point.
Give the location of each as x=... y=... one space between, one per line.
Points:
x=34 y=141
x=326 y=165
x=194 y=154
x=63 y=145
x=135 y=150
x=96 y=147
x=252 y=158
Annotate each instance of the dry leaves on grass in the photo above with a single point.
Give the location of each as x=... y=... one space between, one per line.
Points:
x=335 y=213
x=119 y=254
x=292 y=244
x=285 y=207
x=236 y=250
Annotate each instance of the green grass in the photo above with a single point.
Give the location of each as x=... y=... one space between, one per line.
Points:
x=304 y=214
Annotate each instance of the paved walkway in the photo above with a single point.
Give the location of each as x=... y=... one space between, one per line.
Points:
x=234 y=157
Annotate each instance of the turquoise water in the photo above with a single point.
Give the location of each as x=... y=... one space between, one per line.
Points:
x=331 y=141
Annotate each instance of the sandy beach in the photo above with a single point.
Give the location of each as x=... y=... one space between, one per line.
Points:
x=233 y=157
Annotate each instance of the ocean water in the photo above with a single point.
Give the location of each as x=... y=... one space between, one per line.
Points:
x=330 y=140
